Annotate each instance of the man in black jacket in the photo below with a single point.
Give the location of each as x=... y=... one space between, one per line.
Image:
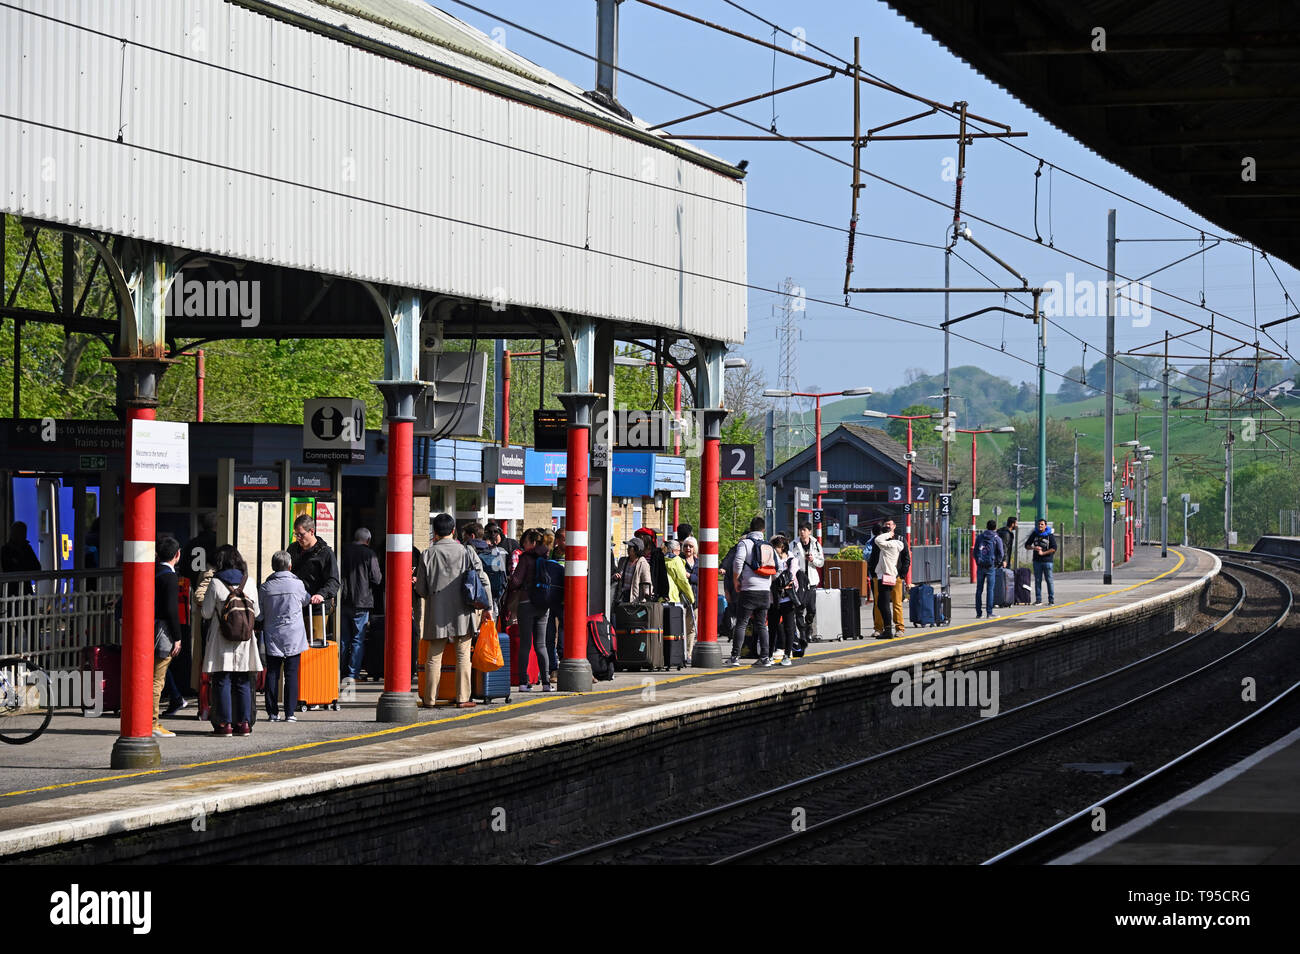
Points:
x=167 y=627
x=1043 y=544
x=1008 y=536
x=314 y=564
x=361 y=574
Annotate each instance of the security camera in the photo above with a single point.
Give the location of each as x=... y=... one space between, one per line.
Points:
x=910 y=456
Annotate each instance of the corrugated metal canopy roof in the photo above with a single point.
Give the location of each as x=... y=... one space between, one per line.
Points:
x=1183 y=92
x=438 y=39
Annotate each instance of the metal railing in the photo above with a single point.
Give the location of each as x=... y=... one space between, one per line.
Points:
x=53 y=616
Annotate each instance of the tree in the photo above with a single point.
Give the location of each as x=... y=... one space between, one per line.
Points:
x=923 y=432
x=1071 y=390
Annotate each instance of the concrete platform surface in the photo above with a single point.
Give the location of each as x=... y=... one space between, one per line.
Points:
x=58 y=788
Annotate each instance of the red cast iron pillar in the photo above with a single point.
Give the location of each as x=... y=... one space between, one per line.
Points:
x=575 y=670
x=397 y=702
x=142 y=307
x=135 y=747
x=707 y=653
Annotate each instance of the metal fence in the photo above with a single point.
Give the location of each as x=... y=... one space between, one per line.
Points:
x=55 y=616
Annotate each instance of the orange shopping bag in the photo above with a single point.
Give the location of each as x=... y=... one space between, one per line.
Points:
x=487 y=649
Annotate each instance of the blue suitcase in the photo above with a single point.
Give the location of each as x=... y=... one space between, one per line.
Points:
x=493 y=685
x=920 y=605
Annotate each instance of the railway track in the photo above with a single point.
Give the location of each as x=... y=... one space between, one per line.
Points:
x=924 y=801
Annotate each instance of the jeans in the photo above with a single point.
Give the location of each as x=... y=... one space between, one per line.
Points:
x=781 y=621
x=751 y=603
x=806 y=616
x=273 y=666
x=553 y=644
x=232 y=698
x=1042 y=569
x=354 y=640
x=532 y=633
x=984 y=577
x=171 y=689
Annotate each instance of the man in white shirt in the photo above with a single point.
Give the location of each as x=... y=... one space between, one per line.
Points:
x=808 y=553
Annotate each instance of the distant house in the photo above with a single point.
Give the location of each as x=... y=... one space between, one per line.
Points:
x=1281 y=389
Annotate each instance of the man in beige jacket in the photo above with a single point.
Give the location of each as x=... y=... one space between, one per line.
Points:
x=446 y=616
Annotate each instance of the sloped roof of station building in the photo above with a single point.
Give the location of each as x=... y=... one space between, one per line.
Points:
x=872 y=440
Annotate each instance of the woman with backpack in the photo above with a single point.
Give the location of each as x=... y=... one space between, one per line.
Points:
x=781 y=618
x=231 y=656
x=531 y=618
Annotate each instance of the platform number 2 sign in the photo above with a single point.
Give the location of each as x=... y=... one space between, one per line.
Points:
x=737 y=462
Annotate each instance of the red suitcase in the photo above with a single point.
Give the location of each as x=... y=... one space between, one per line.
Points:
x=534 y=674
x=106 y=663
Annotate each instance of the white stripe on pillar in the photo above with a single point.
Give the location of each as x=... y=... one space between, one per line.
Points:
x=709 y=561
x=137 y=551
x=399 y=542
x=575 y=567
x=575 y=538
x=708 y=535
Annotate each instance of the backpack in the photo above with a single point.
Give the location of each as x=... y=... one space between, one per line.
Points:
x=548 y=584
x=727 y=569
x=762 y=558
x=235 y=615
x=983 y=551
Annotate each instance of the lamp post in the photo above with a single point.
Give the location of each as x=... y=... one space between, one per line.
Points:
x=973 y=432
x=817 y=396
x=907 y=509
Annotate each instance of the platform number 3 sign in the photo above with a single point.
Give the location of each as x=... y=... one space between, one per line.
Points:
x=737 y=462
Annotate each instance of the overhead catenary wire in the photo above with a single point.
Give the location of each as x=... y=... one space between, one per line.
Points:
x=952 y=112
x=614 y=255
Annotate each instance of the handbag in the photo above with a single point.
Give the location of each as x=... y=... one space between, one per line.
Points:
x=472 y=591
x=888 y=579
x=162 y=641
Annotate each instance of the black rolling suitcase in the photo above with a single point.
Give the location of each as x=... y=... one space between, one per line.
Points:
x=638 y=636
x=851 y=612
x=674 y=636
x=1024 y=585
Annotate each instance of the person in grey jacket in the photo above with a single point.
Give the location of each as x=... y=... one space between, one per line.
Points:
x=282 y=598
x=446 y=617
x=753 y=592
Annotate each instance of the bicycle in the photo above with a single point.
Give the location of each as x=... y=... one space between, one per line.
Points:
x=26 y=703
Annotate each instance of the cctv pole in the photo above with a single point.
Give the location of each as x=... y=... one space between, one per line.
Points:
x=1041 y=492
x=1075 y=525
x=946 y=434
x=1108 y=474
x=1164 y=456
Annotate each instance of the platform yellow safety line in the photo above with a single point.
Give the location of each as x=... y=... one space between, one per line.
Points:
x=510 y=707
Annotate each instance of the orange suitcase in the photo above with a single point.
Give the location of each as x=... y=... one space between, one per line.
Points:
x=446 y=678
x=318 y=670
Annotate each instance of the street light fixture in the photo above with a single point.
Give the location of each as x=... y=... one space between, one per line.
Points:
x=973 y=432
x=817 y=396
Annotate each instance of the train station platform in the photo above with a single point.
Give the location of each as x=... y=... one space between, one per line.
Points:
x=59 y=803
x=1247 y=814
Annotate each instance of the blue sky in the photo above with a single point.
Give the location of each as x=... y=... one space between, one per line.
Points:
x=841 y=348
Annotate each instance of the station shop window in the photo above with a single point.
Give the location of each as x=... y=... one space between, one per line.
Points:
x=468 y=502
